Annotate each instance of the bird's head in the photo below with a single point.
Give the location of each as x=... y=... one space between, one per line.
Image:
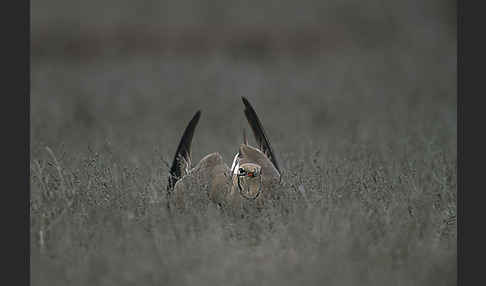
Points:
x=249 y=180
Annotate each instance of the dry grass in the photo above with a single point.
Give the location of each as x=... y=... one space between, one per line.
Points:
x=366 y=139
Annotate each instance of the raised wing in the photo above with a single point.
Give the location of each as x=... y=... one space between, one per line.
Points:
x=207 y=180
x=260 y=137
x=182 y=157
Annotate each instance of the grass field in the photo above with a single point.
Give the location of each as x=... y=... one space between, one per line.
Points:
x=366 y=138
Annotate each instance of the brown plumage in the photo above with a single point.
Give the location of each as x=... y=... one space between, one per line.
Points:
x=250 y=180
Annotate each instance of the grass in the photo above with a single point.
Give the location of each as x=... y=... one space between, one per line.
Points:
x=367 y=143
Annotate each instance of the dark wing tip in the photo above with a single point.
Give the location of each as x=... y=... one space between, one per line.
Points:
x=183 y=151
x=197 y=115
x=259 y=132
x=246 y=102
x=195 y=119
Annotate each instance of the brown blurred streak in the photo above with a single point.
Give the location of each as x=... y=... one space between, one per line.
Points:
x=236 y=41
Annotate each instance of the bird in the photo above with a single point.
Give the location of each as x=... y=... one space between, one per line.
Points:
x=253 y=177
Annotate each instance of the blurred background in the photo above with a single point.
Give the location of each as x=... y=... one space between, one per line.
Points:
x=344 y=88
x=105 y=66
x=253 y=28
